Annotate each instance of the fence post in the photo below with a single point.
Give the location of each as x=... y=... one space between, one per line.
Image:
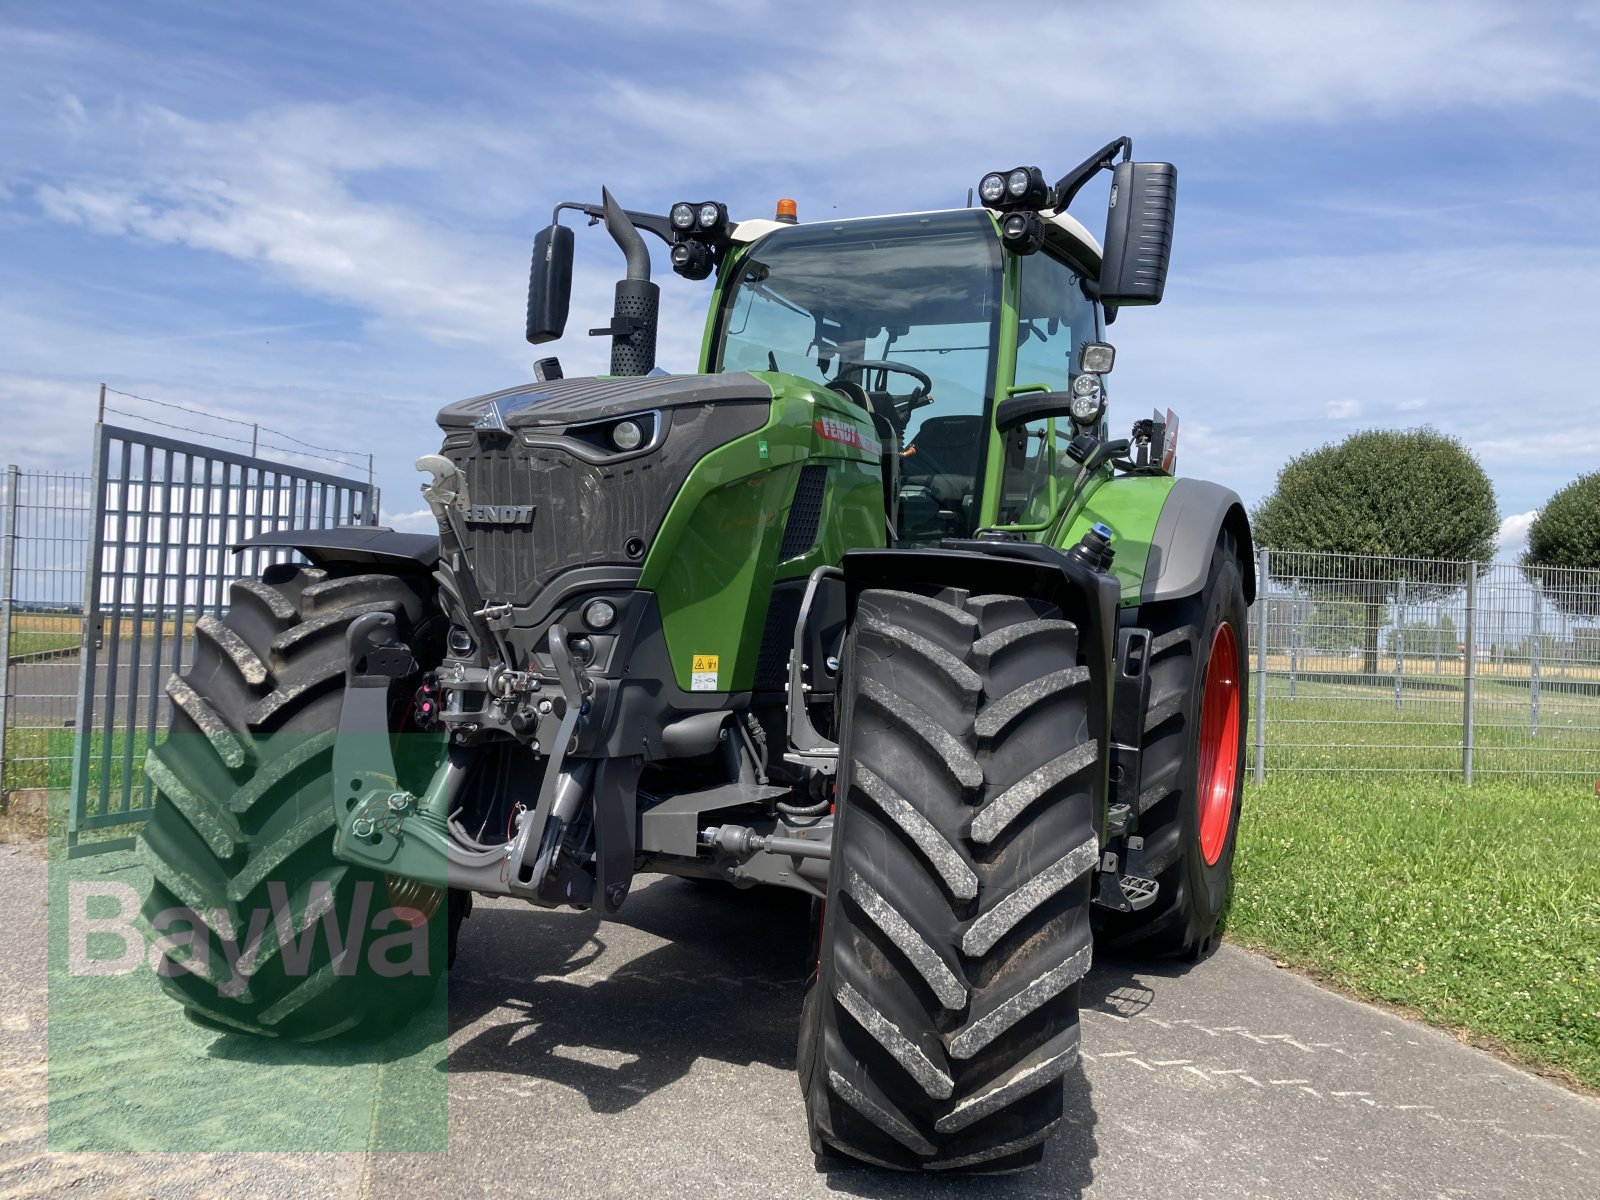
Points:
x=8 y=560
x=1294 y=643
x=1469 y=670
x=1399 y=640
x=1263 y=562
x=1533 y=661
x=89 y=646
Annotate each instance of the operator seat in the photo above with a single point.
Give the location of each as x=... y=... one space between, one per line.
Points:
x=943 y=457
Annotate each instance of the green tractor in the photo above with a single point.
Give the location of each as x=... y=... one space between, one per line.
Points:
x=872 y=606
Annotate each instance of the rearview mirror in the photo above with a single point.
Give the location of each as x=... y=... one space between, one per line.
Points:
x=550 y=284
x=1138 y=242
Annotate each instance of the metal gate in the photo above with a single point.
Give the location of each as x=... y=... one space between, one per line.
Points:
x=165 y=515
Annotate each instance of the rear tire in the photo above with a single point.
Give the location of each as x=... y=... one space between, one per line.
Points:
x=243 y=822
x=944 y=1012
x=1188 y=817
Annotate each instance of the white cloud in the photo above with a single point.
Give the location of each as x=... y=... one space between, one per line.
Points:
x=1512 y=540
x=420 y=521
x=879 y=81
x=277 y=189
x=1344 y=409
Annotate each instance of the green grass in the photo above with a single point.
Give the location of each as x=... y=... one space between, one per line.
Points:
x=42 y=759
x=39 y=641
x=1478 y=908
x=1351 y=727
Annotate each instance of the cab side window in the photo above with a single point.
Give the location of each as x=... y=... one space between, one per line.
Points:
x=1054 y=318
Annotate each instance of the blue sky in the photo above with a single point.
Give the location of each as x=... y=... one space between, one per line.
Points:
x=319 y=215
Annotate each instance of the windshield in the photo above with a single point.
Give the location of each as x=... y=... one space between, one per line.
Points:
x=899 y=314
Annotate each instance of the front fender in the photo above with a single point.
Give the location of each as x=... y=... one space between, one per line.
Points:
x=1164 y=531
x=362 y=545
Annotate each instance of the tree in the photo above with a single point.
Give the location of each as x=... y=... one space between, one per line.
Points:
x=1414 y=501
x=1563 y=557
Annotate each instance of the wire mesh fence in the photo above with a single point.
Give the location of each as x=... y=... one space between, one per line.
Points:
x=44 y=540
x=1424 y=666
x=1360 y=664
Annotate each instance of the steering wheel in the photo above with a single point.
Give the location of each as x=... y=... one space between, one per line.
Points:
x=903 y=407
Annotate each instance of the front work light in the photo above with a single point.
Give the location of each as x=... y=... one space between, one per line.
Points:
x=1096 y=358
x=1019 y=188
x=683 y=216
x=1022 y=232
x=711 y=215
x=692 y=260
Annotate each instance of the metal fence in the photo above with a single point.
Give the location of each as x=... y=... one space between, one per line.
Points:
x=1446 y=668
x=44 y=540
x=166 y=513
x=1449 y=669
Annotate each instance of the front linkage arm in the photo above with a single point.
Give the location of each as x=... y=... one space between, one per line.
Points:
x=382 y=826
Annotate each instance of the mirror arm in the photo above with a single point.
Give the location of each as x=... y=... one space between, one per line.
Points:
x=649 y=222
x=1102 y=159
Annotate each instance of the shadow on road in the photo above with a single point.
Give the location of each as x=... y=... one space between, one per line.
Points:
x=725 y=986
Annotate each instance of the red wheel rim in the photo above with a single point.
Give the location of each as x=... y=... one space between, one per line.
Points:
x=1219 y=742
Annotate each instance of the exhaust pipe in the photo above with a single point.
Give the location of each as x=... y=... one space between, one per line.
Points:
x=638 y=301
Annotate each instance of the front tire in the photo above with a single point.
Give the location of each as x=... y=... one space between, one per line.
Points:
x=242 y=831
x=1191 y=787
x=944 y=1012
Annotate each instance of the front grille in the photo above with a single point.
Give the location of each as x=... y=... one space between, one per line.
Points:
x=805 y=512
x=584 y=513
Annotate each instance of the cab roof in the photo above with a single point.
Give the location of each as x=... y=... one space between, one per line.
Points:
x=1063 y=232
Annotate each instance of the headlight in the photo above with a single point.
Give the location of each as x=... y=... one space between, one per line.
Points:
x=1017 y=183
x=626 y=435
x=1087 y=399
x=599 y=614
x=710 y=215
x=993 y=189
x=682 y=216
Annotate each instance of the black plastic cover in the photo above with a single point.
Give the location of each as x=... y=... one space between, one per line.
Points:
x=550 y=284
x=1138 y=242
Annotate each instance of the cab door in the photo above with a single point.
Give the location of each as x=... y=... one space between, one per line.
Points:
x=1052 y=318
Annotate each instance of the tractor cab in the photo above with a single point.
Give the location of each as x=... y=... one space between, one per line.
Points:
x=901 y=315
x=922 y=320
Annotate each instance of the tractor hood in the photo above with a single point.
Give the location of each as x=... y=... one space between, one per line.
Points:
x=576 y=401
x=552 y=490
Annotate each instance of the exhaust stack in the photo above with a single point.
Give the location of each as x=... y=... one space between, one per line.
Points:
x=638 y=301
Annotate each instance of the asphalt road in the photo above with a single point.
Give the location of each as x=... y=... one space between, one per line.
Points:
x=654 y=1057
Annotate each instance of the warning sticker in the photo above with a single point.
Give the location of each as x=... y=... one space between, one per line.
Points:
x=703 y=675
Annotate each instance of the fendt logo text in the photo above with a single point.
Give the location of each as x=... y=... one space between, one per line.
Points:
x=500 y=514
